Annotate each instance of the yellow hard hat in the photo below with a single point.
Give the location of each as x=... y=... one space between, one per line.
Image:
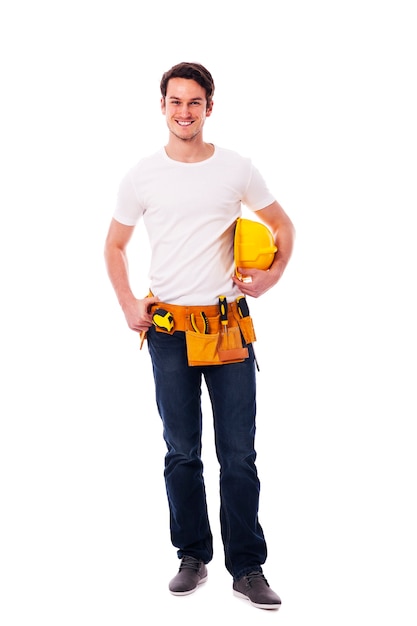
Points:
x=254 y=245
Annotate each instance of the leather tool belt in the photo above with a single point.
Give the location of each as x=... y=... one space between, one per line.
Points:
x=209 y=342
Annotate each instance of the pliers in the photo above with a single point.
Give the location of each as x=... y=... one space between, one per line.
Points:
x=205 y=323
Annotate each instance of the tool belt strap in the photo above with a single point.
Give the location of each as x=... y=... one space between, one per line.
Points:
x=182 y=314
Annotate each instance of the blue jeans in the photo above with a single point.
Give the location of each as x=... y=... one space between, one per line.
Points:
x=232 y=392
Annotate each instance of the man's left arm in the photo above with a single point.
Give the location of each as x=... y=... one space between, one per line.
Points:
x=283 y=232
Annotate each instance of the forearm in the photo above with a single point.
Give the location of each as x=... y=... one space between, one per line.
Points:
x=118 y=272
x=284 y=239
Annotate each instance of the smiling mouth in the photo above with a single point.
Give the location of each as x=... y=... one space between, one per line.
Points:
x=183 y=123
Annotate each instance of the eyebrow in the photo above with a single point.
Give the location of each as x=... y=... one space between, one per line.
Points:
x=191 y=99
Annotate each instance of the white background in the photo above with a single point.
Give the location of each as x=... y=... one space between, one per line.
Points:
x=322 y=96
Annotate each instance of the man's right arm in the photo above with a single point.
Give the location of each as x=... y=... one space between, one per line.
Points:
x=135 y=310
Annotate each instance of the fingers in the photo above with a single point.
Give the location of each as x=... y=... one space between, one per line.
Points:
x=138 y=313
x=243 y=277
x=252 y=282
x=152 y=299
x=246 y=275
x=148 y=303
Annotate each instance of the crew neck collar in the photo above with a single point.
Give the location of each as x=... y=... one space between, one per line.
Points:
x=202 y=162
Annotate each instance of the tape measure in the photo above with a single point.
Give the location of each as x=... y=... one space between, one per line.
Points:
x=163 y=319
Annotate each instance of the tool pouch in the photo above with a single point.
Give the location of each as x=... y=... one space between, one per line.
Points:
x=247 y=329
x=230 y=347
x=218 y=347
x=215 y=347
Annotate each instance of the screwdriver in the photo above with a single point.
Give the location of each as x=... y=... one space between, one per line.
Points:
x=242 y=307
x=223 y=312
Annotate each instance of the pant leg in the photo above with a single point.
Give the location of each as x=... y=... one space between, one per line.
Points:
x=178 y=397
x=232 y=390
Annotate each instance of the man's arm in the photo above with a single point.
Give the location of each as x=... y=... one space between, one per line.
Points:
x=135 y=310
x=283 y=232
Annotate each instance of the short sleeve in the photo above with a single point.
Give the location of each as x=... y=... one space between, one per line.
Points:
x=128 y=209
x=257 y=195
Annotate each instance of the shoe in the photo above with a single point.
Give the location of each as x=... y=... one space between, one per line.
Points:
x=192 y=573
x=255 y=588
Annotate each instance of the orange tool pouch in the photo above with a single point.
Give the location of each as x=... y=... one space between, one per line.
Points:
x=217 y=346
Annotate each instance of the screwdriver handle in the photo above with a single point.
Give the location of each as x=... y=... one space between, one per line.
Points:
x=223 y=310
x=242 y=306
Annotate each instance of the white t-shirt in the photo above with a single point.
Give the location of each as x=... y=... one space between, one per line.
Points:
x=189 y=211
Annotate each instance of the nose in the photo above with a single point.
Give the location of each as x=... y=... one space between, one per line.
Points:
x=184 y=110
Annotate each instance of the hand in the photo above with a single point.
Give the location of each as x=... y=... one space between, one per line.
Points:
x=254 y=282
x=137 y=313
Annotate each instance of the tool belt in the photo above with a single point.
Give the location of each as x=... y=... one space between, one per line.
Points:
x=210 y=339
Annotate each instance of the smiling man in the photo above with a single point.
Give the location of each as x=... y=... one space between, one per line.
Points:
x=185 y=108
x=190 y=195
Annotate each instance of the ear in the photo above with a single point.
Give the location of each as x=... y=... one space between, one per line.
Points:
x=163 y=105
x=209 y=109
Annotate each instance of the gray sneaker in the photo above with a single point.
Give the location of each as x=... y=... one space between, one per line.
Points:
x=192 y=573
x=255 y=588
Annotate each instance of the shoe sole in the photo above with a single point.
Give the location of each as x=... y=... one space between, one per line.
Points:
x=187 y=593
x=274 y=607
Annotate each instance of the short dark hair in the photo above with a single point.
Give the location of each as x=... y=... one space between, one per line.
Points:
x=192 y=71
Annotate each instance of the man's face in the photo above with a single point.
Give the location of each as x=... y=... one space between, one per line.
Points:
x=185 y=108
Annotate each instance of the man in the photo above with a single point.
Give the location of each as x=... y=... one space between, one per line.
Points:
x=189 y=194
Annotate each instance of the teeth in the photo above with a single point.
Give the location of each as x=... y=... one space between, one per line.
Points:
x=184 y=123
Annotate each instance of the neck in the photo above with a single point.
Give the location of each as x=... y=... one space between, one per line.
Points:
x=188 y=151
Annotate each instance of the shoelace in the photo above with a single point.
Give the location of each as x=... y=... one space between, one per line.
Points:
x=189 y=562
x=255 y=576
